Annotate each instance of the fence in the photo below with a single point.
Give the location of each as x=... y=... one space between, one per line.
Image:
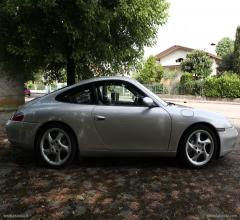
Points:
x=42 y=88
x=196 y=88
x=157 y=88
x=160 y=88
x=202 y=88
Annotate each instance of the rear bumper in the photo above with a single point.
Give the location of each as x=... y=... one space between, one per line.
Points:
x=21 y=134
x=228 y=140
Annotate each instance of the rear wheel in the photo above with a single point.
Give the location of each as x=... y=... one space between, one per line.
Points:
x=198 y=146
x=56 y=145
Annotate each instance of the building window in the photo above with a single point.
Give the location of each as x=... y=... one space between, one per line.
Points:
x=179 y=60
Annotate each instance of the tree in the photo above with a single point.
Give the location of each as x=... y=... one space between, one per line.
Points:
x=149 y=71
x=226 y=63
x=198 y=63
x=236 y=53
x=85 y=37
x=224 y=47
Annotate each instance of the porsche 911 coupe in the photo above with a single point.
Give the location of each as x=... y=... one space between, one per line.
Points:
x=117 y=116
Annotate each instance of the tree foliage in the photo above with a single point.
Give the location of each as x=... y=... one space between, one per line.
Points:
x=198 y=63
x=236 y=53
x=149 y=71
x=226 y=63
x=87 y=37
x=224 y=47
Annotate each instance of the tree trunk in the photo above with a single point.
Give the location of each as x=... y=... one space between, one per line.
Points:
x=70 y=71
x=11 y=92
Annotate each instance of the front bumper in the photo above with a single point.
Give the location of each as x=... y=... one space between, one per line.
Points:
x=22 y=134
x=228 y=140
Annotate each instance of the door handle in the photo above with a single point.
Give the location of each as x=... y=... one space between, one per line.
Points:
x=100 y=117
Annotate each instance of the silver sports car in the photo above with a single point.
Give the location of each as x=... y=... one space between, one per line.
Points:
x=117 y=116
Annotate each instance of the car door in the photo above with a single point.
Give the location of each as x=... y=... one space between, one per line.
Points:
x=124 y=123
x=75 y=110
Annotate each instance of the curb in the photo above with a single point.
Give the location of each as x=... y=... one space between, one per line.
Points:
x=200 y=101
x=7 y=109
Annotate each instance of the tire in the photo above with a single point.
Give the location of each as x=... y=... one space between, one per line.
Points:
x=198 y=146
x=56 y=145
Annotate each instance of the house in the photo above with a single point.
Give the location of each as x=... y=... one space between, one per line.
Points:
x=172 y=57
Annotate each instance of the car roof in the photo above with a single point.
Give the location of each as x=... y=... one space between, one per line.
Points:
x=92 y=80
x=103 y=78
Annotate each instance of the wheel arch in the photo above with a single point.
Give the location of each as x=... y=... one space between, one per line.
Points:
x=54 y=122
x=201 y=124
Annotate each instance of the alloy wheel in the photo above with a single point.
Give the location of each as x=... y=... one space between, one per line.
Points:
x=199 y=147
x=55 y=146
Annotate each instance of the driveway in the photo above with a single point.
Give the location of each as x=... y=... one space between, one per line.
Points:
x=117 y=188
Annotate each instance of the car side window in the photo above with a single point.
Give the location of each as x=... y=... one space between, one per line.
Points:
x=79 y=95
x=118 y=93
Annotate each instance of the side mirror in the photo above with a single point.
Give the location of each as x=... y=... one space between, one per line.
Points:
x=148 y=102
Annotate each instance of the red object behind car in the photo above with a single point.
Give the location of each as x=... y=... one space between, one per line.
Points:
x=27 y=92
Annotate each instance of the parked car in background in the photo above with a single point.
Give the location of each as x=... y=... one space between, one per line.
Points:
x=27 y=91
x=117 y=116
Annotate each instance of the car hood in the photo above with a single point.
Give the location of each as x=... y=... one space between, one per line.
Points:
x=199 y=115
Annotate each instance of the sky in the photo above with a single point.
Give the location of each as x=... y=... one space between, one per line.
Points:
x=197 y=24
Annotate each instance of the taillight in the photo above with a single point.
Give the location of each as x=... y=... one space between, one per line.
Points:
x=18 y=116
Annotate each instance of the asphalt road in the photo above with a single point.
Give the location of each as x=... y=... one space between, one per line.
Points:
x=228 y=110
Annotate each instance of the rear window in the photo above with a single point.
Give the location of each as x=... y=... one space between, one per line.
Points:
x=78 y=95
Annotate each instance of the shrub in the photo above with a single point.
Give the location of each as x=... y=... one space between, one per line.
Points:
x=198 y=63
x=29 y=85
x=170 y=74
x=191 y=87
x=149 y=71
x=212 y=88
x=186 y=77
x=225 y=86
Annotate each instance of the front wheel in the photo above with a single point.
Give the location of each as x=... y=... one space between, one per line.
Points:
x=198 y=146
x=56 y=145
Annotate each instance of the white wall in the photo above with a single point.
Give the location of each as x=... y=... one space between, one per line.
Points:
x=214 y=67
x=171 y=58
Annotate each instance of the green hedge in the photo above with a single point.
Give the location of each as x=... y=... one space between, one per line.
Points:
x=225 y=86
x=186 y=77
x=192 y=87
